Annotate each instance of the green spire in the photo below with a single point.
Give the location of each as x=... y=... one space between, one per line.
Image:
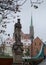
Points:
x=31 y=21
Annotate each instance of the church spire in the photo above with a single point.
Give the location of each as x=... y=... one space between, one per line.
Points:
x=31 y=21
x=31 y=30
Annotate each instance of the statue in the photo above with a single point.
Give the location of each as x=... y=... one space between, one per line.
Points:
x=18 y=31
x=17 y=48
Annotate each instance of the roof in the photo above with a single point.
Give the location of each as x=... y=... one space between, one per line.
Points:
x=25 y=36
x=9 y=39
x=37 y=38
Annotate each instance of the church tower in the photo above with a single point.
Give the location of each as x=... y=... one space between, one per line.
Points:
x=31 y=35
x=31 y=31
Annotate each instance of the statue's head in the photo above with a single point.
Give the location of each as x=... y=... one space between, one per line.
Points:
x=18 y=21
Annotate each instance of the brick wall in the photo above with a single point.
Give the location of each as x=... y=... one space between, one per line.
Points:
x=6 y=61
x=36 y=46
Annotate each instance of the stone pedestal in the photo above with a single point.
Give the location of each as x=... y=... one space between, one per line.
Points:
x=17 y=54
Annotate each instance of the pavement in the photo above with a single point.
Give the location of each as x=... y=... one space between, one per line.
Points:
x=43 y=63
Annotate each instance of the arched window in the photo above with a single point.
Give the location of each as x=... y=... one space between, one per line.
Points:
x=39 y=43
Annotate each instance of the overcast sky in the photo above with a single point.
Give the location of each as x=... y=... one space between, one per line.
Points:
x=38 y=16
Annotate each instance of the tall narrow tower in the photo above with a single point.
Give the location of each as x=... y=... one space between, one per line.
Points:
x=31 y=35
x=31 y=31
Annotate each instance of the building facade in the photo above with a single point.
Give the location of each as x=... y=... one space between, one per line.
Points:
x=35 y=46
x=8 y=46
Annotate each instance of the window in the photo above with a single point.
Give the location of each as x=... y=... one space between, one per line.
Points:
x=39 y=43
x=7 y=42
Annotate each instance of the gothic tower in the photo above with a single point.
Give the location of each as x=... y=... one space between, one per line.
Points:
x=31 y=31
x=31 y=35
